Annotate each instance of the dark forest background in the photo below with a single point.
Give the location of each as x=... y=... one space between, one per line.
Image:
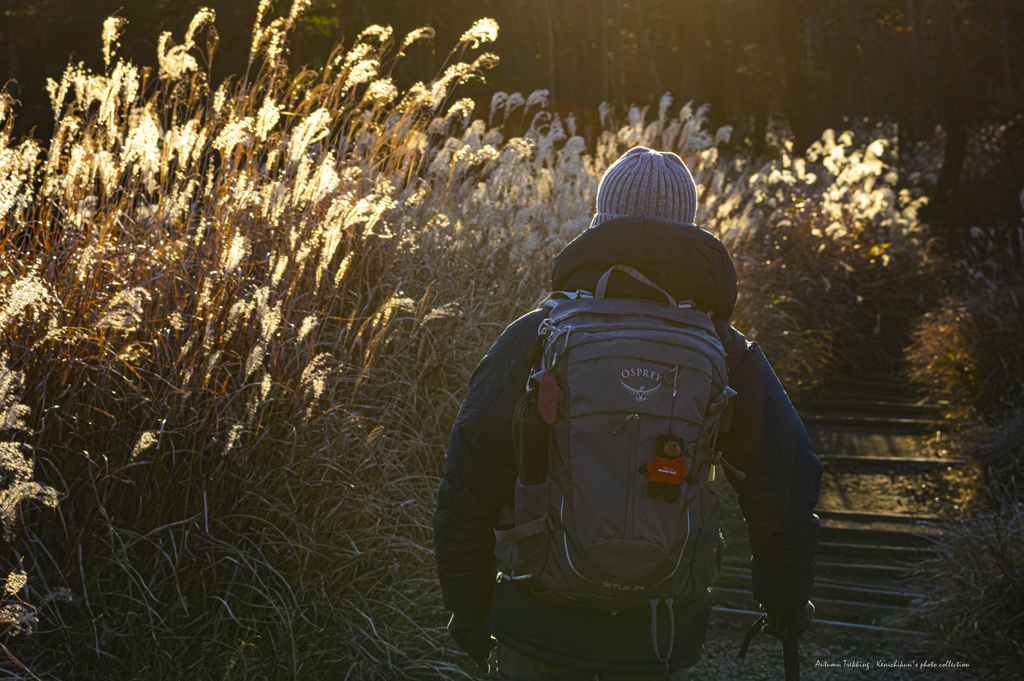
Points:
x=818 y=64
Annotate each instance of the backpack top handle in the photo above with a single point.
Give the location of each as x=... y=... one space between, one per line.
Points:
x=602 y=283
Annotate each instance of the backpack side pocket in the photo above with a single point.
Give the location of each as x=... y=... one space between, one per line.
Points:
x=530 y=440
x=708 y=553
x=523 y=548
x=503 y=550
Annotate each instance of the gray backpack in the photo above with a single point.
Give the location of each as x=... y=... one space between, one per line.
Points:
x=615 y=440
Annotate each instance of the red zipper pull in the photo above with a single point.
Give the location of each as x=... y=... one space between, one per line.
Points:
x=547 y=397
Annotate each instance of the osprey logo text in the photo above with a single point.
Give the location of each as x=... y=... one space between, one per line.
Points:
x=643 y=392
x=610 y=585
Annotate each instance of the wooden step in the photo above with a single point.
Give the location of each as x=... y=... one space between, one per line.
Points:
x=883 y=385
x=723 y=615
x=848 y=569
x=858 y=405
x=825 y=608
x=875 y=422
x=853 y=441
x=892 y=465
x=853 y=553
x=862 y=535
x=734 y=578
x=924 y=522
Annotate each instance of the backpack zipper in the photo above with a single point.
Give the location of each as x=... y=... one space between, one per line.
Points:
x=623 y=422
x=689 y=334
x=634 y=446
x=634 y=440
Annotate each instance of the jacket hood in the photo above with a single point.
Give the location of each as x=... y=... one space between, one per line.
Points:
x=686 y=261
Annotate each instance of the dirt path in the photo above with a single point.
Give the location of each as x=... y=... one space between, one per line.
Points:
x=832 y=656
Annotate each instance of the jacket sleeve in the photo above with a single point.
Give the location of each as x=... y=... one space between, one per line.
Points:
x=480 y=471
x=767 y=441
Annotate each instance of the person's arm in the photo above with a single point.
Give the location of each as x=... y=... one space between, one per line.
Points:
x=478 y=480
x=767 y=441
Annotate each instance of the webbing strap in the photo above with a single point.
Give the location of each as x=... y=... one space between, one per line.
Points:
x=726 y=420
x=573 y=295
x=654 y=627
x=602 y=283
x=671 y=631
x=654 y=631
x=720 y=402
x=536 y=356
x=525 y=530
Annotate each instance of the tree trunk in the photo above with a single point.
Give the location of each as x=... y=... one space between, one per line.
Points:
x=953 y=118
x=816 y=94
x=916 y=78
x=955 y=125
x=586 y=60
x=999 y=14
x=692 y=24
x=551 y=51
x=844 y=73
x=792 y=36
x=717 y=81
x=605 y=53
x=649 y=54
x=13 y=72
x=769 y=36
x=620 y=67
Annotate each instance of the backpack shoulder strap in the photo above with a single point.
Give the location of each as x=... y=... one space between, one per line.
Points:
x=538 y=348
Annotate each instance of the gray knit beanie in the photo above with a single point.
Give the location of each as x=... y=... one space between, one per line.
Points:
x=647 y=183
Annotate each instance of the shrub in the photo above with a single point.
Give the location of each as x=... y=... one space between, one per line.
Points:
x=969 y=351
x=999 y=455
x=968 y=354
x=973 y=607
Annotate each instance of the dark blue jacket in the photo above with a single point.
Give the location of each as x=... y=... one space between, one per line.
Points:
x=766 y=440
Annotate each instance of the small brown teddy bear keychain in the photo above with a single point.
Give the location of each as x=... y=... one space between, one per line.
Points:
x=668 y=470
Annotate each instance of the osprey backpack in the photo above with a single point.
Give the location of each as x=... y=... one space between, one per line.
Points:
x=615 y=441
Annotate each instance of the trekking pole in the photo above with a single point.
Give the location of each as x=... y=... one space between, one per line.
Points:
x=790 y=656
x=790 y=659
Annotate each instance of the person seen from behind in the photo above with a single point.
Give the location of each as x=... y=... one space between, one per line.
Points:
x=575 y=530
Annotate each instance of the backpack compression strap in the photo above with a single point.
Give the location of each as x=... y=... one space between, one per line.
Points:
x=671 y=634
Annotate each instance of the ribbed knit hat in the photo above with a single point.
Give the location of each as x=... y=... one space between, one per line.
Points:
x=647 y=183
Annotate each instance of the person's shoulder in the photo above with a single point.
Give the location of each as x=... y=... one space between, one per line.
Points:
x=734 y=343
x=531 y=320
x=519 y=337
x=523 y=331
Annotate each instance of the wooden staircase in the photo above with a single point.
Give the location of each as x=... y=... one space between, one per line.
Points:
x=876 y=441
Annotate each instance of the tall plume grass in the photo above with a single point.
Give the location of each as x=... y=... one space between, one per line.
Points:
x=245 y=315
x=241 y=364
